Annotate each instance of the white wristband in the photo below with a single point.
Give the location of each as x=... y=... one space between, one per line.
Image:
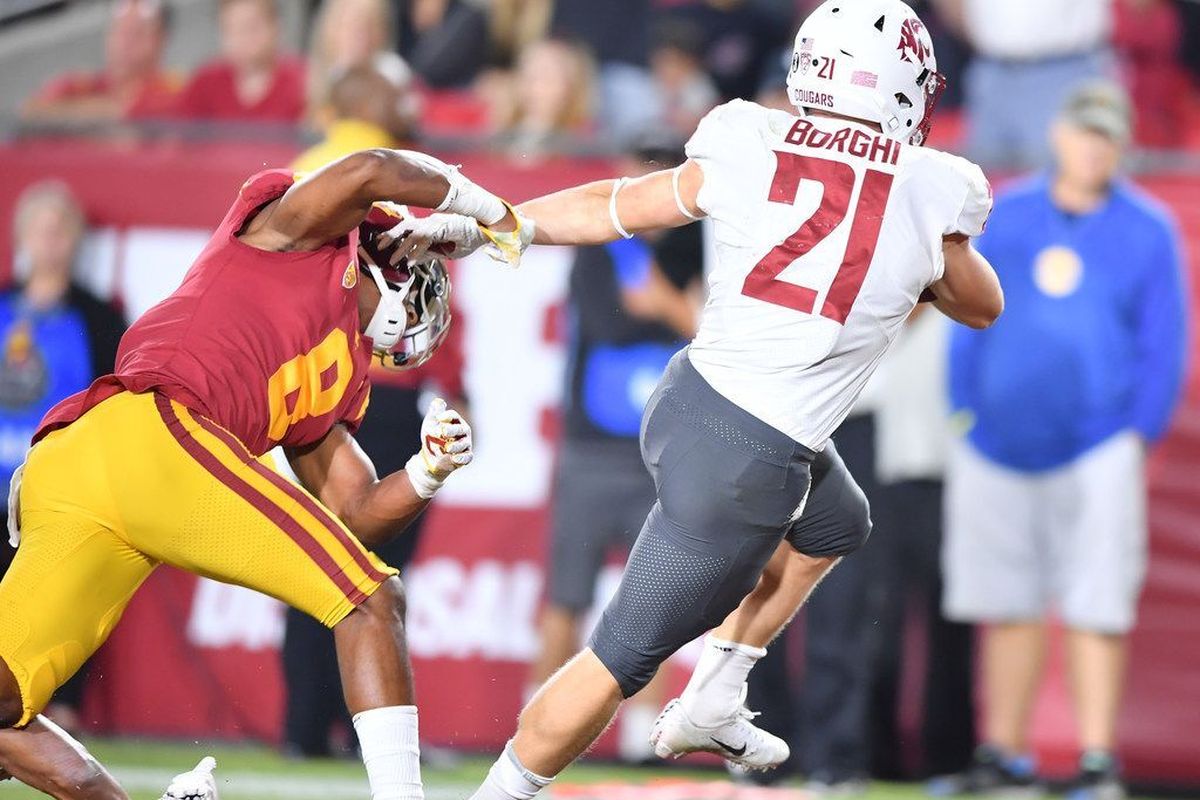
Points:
x=612 y=209
x=423 y=483
x=683 y=209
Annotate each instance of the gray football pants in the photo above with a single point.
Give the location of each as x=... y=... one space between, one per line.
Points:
x=730 y=488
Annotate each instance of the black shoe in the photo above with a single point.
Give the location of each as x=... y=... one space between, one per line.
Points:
x=1098 y=779
x=992 y=773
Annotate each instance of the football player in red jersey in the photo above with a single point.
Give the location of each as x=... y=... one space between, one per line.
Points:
x=266 y=343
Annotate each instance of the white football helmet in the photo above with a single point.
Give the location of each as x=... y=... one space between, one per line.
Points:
x=871 y=60
x=413 y=316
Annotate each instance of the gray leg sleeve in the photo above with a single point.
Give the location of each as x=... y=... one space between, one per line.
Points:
x=676 y=586
x=728 y=487
x=837 y=518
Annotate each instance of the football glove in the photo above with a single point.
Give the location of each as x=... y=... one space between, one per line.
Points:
x=198 y=784
x=446 y=445
x=456 y=236
x=507 y=247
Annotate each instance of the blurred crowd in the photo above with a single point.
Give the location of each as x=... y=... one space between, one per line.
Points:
x=538 y=75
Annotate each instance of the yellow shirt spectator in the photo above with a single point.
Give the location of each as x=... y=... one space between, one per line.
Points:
x=369 y=109
x=343 y=137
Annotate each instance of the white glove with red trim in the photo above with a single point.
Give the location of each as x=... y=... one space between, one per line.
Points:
x=446 y=445
x=198 y=784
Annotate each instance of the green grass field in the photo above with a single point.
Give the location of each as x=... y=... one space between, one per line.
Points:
x=256 y=773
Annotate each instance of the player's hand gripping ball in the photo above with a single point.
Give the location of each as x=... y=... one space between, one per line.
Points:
x=445 y=440
x=197 y=784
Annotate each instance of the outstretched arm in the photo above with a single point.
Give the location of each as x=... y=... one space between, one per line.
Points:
x=590 y=214
x=597 y=212
x=334 y=200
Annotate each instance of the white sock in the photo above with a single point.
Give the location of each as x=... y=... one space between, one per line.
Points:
x=509 y=780
x=388 y=739
x=714 y=692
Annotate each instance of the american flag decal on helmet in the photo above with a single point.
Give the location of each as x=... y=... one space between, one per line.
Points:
x=806 y=44
x=864 y=78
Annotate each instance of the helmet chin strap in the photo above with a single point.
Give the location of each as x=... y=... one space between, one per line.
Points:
x=391 y=317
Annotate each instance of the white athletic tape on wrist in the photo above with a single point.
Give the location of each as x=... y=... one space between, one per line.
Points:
x=464 y=196
x=612 y=209
x=683 y=209
x=471 y=200
x=424 y=483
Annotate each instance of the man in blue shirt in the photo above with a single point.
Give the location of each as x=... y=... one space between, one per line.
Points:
x=1046 y=495
x=55 y=338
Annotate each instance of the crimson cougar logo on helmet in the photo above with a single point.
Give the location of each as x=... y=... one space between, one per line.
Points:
x=913 y=41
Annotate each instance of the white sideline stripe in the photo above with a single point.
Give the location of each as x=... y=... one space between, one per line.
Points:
x=260 y=784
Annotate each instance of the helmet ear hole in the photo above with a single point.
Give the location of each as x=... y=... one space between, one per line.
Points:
x=879 y=24
x=903 y=100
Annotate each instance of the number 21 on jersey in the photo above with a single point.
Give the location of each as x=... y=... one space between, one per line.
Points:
x=837 y=179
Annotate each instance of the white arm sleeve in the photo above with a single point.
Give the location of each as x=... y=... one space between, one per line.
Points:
x=959 y=196
x=977 y=201
x=464 y=197
x=728 y=148
x=705 y=148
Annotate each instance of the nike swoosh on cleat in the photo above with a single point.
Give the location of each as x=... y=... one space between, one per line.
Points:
x=737 y=752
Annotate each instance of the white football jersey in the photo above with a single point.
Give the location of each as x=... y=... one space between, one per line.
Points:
x=826 y=232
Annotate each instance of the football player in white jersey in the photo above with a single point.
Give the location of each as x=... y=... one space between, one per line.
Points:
x=831 y=225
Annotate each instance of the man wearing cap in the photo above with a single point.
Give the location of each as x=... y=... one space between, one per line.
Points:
x=1045 y=501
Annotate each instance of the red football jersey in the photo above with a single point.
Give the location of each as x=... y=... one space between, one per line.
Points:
x=264 y=344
